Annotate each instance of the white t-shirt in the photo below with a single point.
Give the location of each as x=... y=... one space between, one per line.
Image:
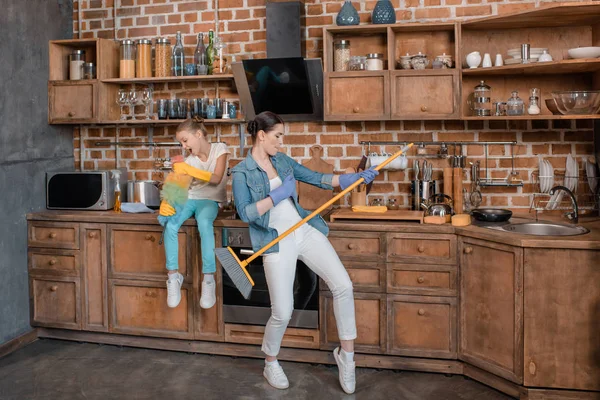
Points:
x=200 y=190
x=284 y=215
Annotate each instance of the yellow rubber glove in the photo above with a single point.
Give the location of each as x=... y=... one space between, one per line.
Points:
x=166 y=210
x=183 y=168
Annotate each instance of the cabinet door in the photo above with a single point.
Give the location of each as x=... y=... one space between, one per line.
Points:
x=371 y=322
x=55 y=302
x=208 y=323
x=421 y=326
x=72 y=102
x=431 y=95
x=94 y=254
x=357 y=96
x=358 y=246
x=562 y=319
x=491 y=307
x=421 y=248
x=426 y=280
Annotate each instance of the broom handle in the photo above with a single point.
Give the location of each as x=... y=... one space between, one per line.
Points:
x=324 y=206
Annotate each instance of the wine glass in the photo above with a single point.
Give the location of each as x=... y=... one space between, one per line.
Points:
x=123 y=101
x=134 y=99
x=147 y=100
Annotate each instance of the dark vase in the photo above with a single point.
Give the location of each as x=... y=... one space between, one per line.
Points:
x=384 y=13
x=347 y=15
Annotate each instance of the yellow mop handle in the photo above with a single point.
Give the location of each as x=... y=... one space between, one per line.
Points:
x=324 y=206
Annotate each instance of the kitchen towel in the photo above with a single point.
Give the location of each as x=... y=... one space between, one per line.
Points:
x=135 y=208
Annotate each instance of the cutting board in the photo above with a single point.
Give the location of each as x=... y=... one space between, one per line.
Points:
x=389 y=215
x=309 y=196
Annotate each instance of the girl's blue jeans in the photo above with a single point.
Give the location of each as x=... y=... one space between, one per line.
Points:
x=205 y=212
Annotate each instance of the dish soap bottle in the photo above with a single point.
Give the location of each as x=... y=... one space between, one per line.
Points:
x=116 y=174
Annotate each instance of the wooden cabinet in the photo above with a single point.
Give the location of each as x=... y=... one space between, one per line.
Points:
x=355 y=246
x=422 y=326
x=562 y=319
x=94 y=261
x=351 y=99
x=421 y=248
x=424 y=95
x=427 y=280
x=491 y=307
x=55 y=302
x=72 y=102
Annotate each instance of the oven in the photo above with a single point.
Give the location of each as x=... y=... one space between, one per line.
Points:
x=257 y=309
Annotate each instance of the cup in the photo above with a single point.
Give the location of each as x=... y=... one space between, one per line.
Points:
x=202 y=69
x=204 y=103
x=225 y=111
x=182 y=110
x=195 y=108
x=173 y=109
x=232 y=110
x=525 y=53
x=218 y=103
x=211 y=112
x=190 y=69
x=161 y=108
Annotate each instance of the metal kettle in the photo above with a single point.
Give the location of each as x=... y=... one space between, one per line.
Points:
x=438 y=204
x=147 y=192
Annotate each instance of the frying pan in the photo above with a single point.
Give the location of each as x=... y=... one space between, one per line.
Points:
x=491 y=214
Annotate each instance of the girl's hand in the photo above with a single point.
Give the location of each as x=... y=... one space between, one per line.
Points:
x=177 y=159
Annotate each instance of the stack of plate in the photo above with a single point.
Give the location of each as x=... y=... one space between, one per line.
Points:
x=546 y=175
x=571 y=178
x=515 y=55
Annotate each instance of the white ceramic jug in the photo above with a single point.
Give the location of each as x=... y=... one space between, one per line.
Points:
x=473 y=59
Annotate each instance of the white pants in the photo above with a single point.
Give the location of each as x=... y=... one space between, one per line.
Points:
x=311 y=247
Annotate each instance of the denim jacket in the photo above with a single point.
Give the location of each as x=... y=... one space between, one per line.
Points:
x=251 y=184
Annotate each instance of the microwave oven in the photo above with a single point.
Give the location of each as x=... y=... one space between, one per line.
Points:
x=85 y=190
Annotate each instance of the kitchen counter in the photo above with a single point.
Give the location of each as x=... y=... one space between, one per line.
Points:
x=588 y=241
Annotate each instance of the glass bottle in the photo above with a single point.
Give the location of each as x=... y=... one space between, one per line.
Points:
x=178 y=56
x=514 y=105
x=200 y=55
x=210 y=51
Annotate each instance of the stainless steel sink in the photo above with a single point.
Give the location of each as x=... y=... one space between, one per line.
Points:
x=545 y=229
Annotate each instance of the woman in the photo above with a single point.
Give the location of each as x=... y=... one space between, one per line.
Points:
x=264 y=188
x=206 y=163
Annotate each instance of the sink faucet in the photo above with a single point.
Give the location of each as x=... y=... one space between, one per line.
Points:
x=574 y=216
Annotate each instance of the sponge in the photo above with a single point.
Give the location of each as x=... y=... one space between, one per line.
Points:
x=461 y=220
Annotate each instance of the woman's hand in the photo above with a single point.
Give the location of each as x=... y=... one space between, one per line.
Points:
x=287 y=189
x=166 y=210
x=177 y=159
x=348 y=179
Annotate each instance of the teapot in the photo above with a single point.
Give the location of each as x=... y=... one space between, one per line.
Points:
x=440 y=208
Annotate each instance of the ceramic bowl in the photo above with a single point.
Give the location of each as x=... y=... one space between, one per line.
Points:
x=584 y=52
x=551 y=105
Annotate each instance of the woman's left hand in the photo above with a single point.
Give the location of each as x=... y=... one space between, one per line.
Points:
x=348 y=179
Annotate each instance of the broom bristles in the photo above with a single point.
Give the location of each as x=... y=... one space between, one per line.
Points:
x=236 y=272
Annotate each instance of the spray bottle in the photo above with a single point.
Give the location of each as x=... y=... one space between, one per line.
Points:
x=116 y=174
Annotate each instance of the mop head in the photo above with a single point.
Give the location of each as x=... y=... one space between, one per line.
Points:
x=175 y=192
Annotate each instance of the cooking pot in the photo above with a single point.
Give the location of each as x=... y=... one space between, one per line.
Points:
x=441 y=208
x=491 y=214
x=146 y=192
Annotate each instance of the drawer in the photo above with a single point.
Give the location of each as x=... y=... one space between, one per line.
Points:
x=419 y=248
x=358 y=245
x=365 y=276
x=140 y=308
x=137 y=254
x=54 y=262
x=428 y=280
x=56 y=235
x=364 y=99
x=253 y=334
x=422 y=326
x=55 y=302
x=428 y=96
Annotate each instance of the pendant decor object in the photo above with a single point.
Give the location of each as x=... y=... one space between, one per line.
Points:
x=347 y=15
x=384 y=13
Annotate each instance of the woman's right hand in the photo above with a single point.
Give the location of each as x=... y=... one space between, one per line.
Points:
x=287 y=189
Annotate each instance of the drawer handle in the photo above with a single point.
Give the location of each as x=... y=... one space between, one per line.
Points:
x=423 y=108
x=352 y=246
x=52 y=235
x=53 y=288
x=52 y=262
x=356 y=110
x=468 y=250
x=92 y=235
x=421 y=249
x=150 y=238
x=71 y=114
x=532 y=368
x=420 y=279
x=421 y=311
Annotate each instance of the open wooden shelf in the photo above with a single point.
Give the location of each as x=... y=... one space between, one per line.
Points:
x=538 y=68
x=530 y=117
x=169 y=122
x=171 y=79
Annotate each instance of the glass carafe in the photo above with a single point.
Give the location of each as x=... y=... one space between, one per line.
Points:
x=482 y=100
x=178 y=56
x=514 y=105
x=200 y=56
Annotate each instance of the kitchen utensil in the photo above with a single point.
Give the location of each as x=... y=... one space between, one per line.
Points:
x=457 y=190
x=551 y=105
x=362 y=165
x=592 y=175
x=311 y=197
x=577 y=102
x=416 y=168
x=475 y=198
x=545 y=57
x=491 y=214
x=525 y=53
x=146 y=192
x=439 y=204
x=584 y=52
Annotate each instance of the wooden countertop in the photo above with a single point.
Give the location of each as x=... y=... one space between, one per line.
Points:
x=588 y=241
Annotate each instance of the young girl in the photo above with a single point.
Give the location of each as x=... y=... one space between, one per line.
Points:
x=264 y=189
x=207 y=164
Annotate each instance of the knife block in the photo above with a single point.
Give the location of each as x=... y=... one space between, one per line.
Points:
x=358 y=198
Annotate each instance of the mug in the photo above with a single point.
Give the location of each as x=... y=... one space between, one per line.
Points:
x=232 y=110
x=173 y=109
x=182 y=110
x=190 y=69
x=211 y=112
x=161 y=108
x=202 y=69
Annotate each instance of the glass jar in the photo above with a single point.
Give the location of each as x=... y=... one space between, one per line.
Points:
x=482 y=100
x=127 y=59
x=514 y=105
x=341 y=55
x=143 y=64
x=76 y=61
x=374 y=62
x=162 y=57
x=89 y=71
x=357 y=63
x=392 y=204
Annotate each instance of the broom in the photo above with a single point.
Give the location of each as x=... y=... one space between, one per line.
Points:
x=236 y=269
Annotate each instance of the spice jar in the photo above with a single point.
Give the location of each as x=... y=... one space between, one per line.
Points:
x=405 y=61
x=127 y=59
x=514 y=105
x=341 y=55
x=534 y=104
x=76 y=61
x=445 y=59
x=419 y=61
x=89 y=71
x=482 y=102
x=357 y=63
x=162 y=57
x=143 y=59
x=374 y=62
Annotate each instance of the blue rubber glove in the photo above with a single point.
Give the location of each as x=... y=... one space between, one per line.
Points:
x=287 y=189
x=348 y=179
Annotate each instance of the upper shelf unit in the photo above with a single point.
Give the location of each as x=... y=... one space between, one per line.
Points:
x=171 y=79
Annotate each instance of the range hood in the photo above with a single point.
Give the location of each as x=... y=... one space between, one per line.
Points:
x=284 y=82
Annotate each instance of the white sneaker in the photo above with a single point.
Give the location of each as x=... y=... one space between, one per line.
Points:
x=174 y=289
x=208 y=298
x=346 y=372
x=275 y=376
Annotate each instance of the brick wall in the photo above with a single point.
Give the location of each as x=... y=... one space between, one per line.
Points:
x=241 y=24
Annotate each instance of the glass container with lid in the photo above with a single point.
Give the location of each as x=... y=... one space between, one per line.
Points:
x=162 y=57
x=127 y=59
x=341 y=55
x=482 y=100
x=143 y=64
x=374 y=62
x=76 y=61
x=89 y=71
x=514 y=105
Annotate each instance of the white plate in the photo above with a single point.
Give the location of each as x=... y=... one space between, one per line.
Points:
x=541 y=171
x=532 y=50
x=550 y=174
x=511 y=61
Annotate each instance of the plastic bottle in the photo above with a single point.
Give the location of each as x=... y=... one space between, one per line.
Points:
x=116 y=174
